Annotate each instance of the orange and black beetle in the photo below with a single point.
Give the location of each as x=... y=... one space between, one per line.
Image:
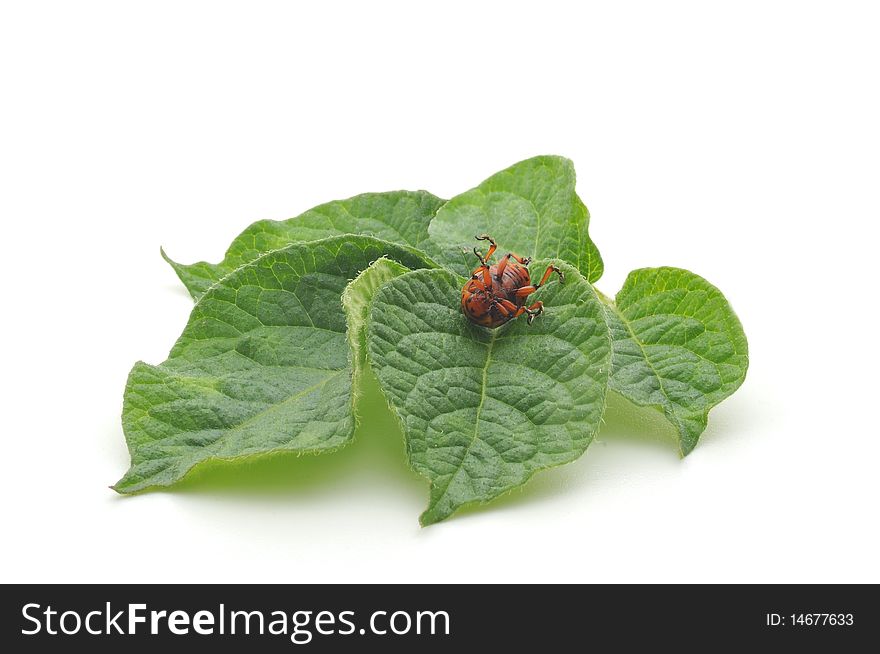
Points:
x=497 y=293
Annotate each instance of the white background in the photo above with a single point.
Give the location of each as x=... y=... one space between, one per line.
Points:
x=739 y=140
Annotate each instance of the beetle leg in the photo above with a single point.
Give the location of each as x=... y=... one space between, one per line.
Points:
x=528 y=290
x=535 y=310
x=524 y=291
x=506 y=307
x=482 y=277
x=502 y=265
x=550 y=269
x=492 y=248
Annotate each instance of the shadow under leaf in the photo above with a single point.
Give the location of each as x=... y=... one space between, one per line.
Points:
x=623 y=422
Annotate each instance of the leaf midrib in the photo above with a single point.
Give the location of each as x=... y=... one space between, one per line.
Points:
x=273 y=408
x=476 y=422
x=632 y=334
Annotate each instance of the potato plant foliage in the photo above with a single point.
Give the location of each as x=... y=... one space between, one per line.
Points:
x=283 y=327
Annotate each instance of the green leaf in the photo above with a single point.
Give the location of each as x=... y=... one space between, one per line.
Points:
x=400 y=217
x=530 y=209
x=356 y=301
x=483 y=410
x=590 y=263
x=678 y=346
x=263 y=365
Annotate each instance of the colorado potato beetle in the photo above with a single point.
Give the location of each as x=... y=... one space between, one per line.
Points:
x=497 y=293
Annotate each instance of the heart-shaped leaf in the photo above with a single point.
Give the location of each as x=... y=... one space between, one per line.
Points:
x=263 y=365
x=678 y=346
x=530 y=209
x=484 y=409
x=400 y=217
